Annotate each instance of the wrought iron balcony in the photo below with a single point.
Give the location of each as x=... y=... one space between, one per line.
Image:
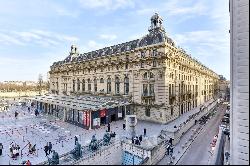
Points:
x=145 y=95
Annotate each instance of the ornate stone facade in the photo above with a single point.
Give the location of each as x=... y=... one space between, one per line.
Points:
x=161 y=80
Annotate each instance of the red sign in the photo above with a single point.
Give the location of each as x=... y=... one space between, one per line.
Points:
x=86 y=118
x=103 y=113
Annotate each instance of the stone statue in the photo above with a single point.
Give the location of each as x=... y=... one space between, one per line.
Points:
x=77 y=151
x=93 y=144
x=55 y=158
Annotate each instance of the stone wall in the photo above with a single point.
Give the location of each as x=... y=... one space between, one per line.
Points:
x=112 y=155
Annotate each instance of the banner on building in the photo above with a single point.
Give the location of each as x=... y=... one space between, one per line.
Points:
x=103 y=113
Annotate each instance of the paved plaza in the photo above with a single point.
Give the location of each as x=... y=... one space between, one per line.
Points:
x=42 y=129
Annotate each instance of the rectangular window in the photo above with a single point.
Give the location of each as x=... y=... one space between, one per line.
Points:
x=145 y=90
x=154 y=64
x=142 y=65
x=142 y=54
x=154 y=52
x=147 y=112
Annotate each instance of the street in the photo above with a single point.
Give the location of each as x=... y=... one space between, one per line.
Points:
x=199 y=151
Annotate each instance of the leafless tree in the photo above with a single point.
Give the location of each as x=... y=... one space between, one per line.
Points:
x=40 y=83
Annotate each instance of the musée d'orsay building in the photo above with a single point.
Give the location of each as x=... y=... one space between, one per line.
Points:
x=149 y=77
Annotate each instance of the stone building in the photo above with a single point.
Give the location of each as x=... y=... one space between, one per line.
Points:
x=239 y=82
x=160 y=80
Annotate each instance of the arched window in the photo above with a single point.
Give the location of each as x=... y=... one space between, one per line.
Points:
x=101 y=80
x=95 y=85
x=73 y=85
x=145 y=75
x=109 y=85
x=83 y=85
x=151 y=75
x=117 y=85
x=78 y=85
x=89 y=85
x=126 y=85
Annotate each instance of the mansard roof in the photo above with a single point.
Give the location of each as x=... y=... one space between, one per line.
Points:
x=149 y=39
x=156 y=35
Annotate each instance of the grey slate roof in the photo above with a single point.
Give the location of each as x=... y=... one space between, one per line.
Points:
x=153 y=37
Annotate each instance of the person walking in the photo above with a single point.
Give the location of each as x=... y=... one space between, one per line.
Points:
x=28 y=162
x=76 y=139
x=46 y=149
x=50 y=147
x=108 y=127
x=145 y=132
x=1 y=149
x=124 y=126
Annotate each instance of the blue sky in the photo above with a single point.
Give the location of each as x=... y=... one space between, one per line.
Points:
x=36 y=33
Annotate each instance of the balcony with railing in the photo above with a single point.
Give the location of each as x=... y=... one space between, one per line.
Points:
x=148 y=95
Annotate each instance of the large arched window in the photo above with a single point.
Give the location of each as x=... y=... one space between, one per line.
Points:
x=89 y=85
x=145 y=75
x=83 y=85
x=117 y=85
x=78 y=85
x=101 y=80
x=126 y=85
x=109 y=85
x=95 y=85
x=151 y=75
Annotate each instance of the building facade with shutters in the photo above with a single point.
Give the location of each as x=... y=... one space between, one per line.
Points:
x=160 y=80
x=239 y=82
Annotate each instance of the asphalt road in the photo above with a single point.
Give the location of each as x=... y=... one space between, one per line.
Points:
x=198 y=153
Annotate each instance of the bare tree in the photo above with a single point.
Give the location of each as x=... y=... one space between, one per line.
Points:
x=40 y=83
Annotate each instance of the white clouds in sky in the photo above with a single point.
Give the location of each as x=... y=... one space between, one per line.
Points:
x=108 y=36
x=40 y=37
x=106 y=4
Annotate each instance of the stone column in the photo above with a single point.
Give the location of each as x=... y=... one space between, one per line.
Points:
x=90 y=120
x=65 y=114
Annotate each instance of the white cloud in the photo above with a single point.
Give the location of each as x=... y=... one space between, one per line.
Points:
x=108 y=36
x=106 y=4
x=176 y=7
x=40 y=37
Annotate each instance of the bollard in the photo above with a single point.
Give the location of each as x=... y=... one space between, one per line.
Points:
x=23 y=139
x=62 y=143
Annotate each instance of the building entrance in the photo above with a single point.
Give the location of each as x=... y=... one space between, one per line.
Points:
x=113 y=117
x=103 y=120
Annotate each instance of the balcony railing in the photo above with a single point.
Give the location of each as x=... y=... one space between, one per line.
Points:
x=148 y=94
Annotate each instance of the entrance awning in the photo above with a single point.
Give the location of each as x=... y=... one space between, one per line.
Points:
x=82 y=102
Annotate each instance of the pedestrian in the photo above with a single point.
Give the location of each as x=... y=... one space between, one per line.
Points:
x=132 y=140
x=140 y=138
x=76 y=139
x=30 y=148
x=46 y=149
x=50 y=147
x=1 y=149
x=145 y=132
x=124 y=126
x=18 y=149
x=28 y=162
x=16 y=113
x=108 y=127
